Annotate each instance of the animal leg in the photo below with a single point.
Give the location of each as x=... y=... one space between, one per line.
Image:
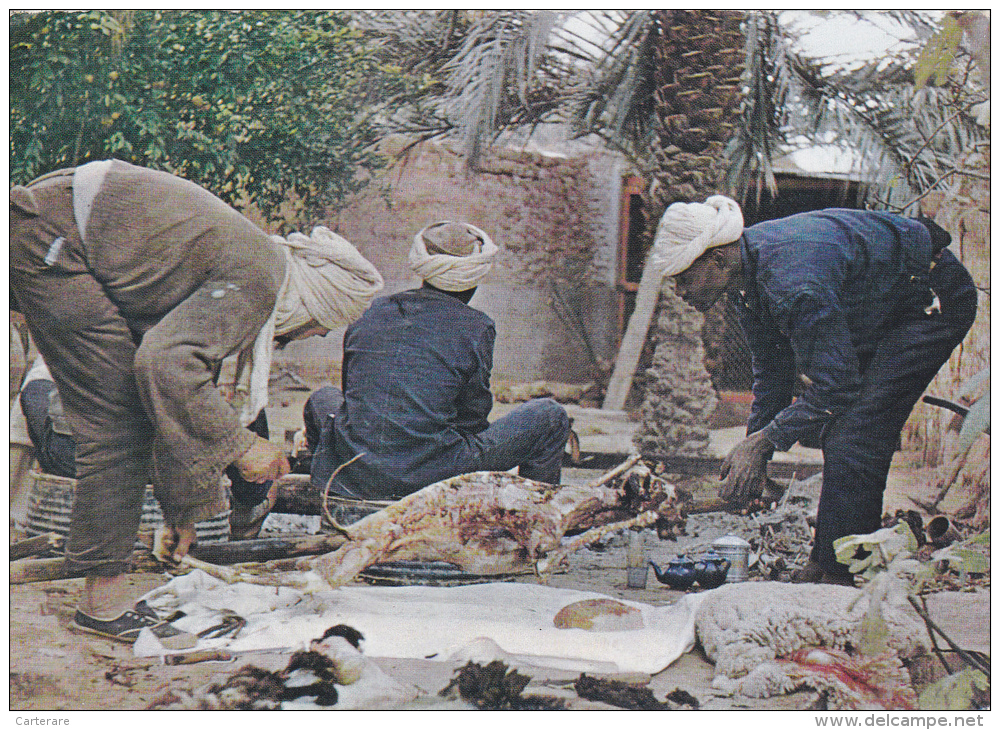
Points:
x=345 y=564
x=621 y=468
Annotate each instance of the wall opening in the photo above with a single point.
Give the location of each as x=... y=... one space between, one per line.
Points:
x=632 y=248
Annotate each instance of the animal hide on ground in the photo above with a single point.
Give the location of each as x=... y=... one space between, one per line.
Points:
x=761 y=636
x=331 y=674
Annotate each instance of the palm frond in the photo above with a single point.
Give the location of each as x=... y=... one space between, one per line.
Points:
x=497 y=77
x=479 y=73
x=763 y=115
x=616 y=98
x=903 y=140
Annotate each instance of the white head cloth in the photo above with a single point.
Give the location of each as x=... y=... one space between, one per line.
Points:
x=687 y=230
x=452 y=273
x=329 y=281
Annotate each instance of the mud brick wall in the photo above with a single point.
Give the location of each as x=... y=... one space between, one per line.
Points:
x=551 y=289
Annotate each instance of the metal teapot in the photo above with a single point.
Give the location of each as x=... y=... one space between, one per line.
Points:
x=737 y=551
x=679 y=573
x=710 y=570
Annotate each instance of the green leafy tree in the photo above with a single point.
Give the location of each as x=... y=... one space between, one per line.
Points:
x=261 y=107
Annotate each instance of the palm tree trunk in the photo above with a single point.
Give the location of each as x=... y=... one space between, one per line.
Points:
x=699 y=62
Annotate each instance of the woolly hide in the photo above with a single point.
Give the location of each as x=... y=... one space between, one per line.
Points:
x=748 y=629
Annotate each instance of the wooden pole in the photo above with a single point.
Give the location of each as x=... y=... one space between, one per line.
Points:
x=264 y=549
x=34 y=570
x=38 y=545
x=635 y=339
x=298 y=496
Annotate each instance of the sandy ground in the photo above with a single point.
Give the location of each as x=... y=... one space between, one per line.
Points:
x=54 y=669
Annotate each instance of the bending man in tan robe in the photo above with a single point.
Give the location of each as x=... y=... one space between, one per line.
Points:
x=136 y=285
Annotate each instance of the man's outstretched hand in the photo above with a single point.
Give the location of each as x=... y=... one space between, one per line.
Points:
x=175 y=541
x=263 y=462
x=744 y=470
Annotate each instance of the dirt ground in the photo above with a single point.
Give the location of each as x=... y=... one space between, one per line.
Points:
x=53 y=669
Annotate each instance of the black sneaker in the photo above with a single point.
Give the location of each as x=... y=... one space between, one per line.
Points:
x=126 y=629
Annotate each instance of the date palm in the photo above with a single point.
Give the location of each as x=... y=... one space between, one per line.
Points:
x=702 y=100
x=630 y=77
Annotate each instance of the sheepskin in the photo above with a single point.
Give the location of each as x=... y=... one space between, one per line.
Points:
x=745 y=628
x=853 y=682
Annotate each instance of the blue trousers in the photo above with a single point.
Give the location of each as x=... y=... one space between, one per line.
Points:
x=532 y=438
x=56 y=452
x=859 y=444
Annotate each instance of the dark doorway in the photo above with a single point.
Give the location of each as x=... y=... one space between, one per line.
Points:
x=633 y=245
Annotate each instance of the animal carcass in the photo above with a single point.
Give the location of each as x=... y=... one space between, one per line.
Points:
x=492 y=523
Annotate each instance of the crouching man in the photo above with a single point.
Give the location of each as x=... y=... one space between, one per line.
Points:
x=865 y=306
x=416 y=387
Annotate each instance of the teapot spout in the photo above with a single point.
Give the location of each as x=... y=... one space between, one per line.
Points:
x=658 y=572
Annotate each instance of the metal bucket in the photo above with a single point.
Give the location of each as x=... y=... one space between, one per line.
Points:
x=50 y=509
x=737 y=551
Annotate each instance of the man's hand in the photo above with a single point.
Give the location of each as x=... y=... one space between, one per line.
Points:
x=745 y=470
x=262 y=462
x=177 y=540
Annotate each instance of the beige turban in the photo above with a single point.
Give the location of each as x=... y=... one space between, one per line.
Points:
x=328 y=282
x=452 y=256
x=687 y=230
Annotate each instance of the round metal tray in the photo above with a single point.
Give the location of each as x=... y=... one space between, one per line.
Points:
x=429 y=573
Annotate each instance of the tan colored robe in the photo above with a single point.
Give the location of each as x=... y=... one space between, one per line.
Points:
x=135 y=319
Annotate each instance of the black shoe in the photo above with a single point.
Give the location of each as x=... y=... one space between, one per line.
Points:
x=814 y=573
x=126 y=629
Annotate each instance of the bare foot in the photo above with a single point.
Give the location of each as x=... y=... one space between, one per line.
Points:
x=106 y=597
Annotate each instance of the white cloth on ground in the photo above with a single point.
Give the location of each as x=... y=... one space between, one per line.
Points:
x=512 y=621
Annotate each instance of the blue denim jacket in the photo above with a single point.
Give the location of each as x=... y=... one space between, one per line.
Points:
x=416 y=382
x=820 y=288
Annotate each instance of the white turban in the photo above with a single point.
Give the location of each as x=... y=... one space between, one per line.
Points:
x=687 y=230
x=328 y=281
x=448 y=272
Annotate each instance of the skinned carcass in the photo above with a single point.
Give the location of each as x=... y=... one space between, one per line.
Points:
x=493 y=523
